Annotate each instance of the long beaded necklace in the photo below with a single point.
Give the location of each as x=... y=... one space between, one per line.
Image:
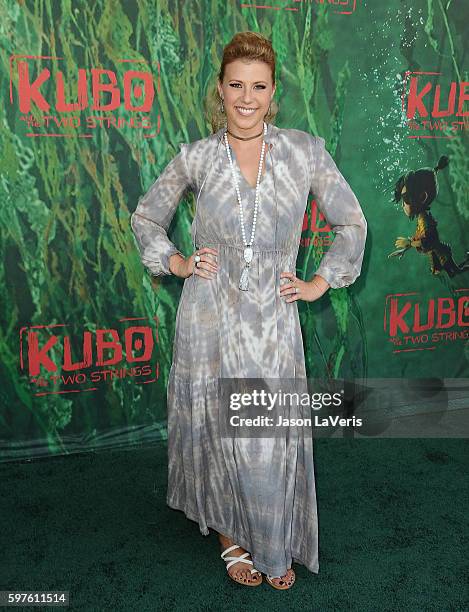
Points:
x=248 y=250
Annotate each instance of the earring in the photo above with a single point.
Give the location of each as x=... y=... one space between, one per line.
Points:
x=222 y=107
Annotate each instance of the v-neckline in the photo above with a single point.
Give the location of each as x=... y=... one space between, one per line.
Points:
x=263 y=175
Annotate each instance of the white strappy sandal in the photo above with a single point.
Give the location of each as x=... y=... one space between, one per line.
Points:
x=242 y=559
x=287 y=584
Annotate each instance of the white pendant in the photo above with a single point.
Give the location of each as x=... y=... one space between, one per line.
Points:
x=248 y=254
x=244 y=280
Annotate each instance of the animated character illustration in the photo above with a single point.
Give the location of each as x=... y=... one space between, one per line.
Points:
x=418 y=190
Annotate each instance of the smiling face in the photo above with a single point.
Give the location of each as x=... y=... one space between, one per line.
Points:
x=247 y=91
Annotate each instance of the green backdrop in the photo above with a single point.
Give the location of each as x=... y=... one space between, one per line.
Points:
x=70 y=266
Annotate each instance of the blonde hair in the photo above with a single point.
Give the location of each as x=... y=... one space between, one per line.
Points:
x=243 y=45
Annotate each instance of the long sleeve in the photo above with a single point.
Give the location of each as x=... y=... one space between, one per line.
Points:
x=154 y=212
x=341 y=264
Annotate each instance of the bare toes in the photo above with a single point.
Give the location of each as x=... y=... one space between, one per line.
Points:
x=286 y=580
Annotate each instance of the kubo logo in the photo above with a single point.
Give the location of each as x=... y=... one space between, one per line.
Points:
x=29 y=92
x=59 y=361
x=430 y=106
x=311 y=224
x=96 y=89
x=414 y=324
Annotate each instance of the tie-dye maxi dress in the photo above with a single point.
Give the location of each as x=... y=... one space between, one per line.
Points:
x=258 y=491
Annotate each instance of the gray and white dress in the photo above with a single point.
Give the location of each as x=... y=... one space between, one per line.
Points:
x=259 y=491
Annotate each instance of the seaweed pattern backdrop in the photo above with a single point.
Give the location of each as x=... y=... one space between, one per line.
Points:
x=68 y=254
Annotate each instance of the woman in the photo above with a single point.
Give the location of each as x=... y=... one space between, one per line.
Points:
x=237 y=317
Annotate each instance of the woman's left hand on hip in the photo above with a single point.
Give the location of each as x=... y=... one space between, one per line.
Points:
x=297 y=289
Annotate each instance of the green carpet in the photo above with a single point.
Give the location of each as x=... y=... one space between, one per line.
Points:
x=393 y=523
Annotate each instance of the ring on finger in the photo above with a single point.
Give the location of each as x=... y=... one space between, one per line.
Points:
x=197 y=258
